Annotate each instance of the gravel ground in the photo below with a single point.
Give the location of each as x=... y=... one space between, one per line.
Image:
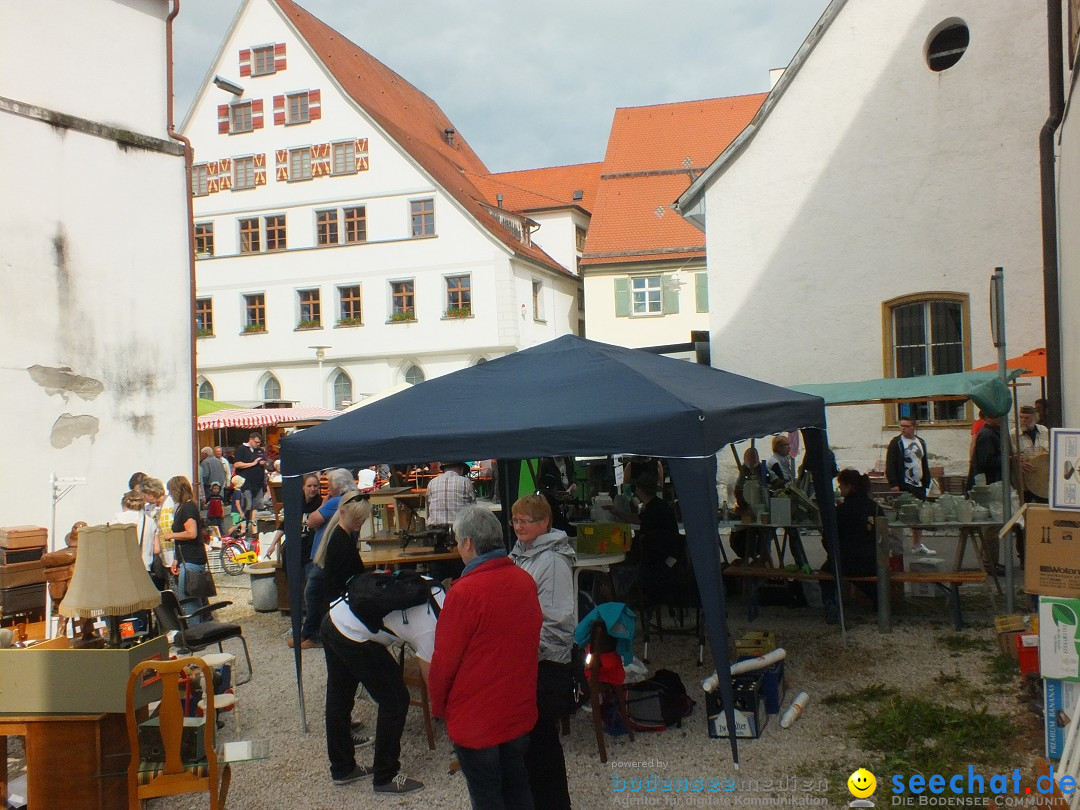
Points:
x=912 y=659
x=908 y=659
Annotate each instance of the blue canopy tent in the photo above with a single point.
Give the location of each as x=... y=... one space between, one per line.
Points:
x=573 y=396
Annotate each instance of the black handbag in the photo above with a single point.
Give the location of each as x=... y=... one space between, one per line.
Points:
x=197 y=584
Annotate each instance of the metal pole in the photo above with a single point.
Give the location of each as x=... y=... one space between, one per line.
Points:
x=49 y=547
x=997 y=303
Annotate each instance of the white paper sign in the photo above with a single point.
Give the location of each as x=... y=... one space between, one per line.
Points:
x=1065 y=468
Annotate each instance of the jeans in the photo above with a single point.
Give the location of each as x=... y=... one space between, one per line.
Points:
x=349 y=663
x=544 y=757
x=496 y=775
x=314 y=603
x=191 y=603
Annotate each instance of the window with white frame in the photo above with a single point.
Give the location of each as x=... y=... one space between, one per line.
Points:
x=240 y=117
x=243 y=173
x=344 y=154
x=200 y=180
x=927 y=335
x=538 y=300
x=343 y=396
x=300 y=164
x=414 y=375
x=297 y=106
x=271 y=388
x=647 y=295
x=206 y=390
x=262 y=60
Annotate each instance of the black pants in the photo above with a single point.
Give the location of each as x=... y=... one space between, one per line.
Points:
x=496 y=775
x=348 y=664
x=544 y=757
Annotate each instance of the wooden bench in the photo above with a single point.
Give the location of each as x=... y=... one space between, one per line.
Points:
x=949 y=581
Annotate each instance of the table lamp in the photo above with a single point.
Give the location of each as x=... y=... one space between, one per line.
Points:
x=110 y=578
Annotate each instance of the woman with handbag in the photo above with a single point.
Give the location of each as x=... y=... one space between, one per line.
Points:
x=196 y=583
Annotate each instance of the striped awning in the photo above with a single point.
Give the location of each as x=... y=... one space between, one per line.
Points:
x=261 y=417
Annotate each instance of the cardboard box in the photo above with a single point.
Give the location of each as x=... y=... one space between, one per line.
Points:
x=23 y=536
x=755 y=643
x=780 y=511
x=54 y=677
x=1059 y=634
x=603 y=538
x=1059 y=702
x=750 y=715
x=1052 y=552
x=935 y=565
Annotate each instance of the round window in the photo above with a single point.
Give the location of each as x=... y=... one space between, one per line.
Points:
x=947 y=46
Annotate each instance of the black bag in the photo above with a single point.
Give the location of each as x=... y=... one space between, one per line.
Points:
x=199 y=583
x=373 y=595
x=658 y=702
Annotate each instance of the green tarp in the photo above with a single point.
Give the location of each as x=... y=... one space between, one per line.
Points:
x=206 y=406
x=984 y=388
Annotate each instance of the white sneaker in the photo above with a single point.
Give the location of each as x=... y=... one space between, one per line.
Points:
x=922 y=549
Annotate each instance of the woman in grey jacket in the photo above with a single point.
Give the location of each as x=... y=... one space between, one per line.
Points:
x=548 y=557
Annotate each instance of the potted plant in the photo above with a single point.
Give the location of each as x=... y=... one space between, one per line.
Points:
x=309 y=323
x=204 y=332
x=407 y=315
x=459 y=312
x=252 y=328
x=350 y=322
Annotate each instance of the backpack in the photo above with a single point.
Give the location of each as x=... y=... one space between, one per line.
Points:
x=373 y=595
x=658 y=702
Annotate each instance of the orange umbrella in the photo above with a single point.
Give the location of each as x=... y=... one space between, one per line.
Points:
x=1033 y=363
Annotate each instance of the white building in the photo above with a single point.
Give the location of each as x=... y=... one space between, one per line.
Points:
x=334 y=209
x=96 y=336
x=852 y=229
x=1068 y=214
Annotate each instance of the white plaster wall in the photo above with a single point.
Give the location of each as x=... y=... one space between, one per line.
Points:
x=1069 y=262
x=95 y=278
x=101 y=60
x=875 y=177
x=557 y=235
x=377 y=354
x=602 y=324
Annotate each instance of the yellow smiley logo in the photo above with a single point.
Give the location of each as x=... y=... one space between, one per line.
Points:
x=861 y=783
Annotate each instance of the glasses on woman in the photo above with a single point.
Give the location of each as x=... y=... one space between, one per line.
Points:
x=523 y=521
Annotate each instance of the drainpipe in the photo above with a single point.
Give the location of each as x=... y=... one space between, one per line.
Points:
x=188 y=161
x=1052 y=304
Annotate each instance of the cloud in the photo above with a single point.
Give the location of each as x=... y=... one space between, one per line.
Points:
x=537 y=84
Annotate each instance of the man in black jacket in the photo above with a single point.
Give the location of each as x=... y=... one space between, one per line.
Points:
x=907 y=470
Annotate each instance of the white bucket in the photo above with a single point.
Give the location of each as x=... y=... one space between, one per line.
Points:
x=263 y=586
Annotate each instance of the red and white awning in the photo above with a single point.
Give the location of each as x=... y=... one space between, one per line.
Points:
x=261 y=417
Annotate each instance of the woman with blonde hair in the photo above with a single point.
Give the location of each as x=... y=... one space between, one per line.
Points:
x=133 y=511
x=186 y=534
x=339 y=553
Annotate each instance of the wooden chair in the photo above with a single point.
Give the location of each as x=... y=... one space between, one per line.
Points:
x=174 y=776
x=410 y=673
x=601 y=642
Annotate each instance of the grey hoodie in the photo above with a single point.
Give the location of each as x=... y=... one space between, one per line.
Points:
x=550 y=561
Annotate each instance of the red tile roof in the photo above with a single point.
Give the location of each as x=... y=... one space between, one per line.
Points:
x=411 y=118
x=651 y=153
x=543 y=189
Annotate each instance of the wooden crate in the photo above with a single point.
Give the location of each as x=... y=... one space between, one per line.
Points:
x=23 y=536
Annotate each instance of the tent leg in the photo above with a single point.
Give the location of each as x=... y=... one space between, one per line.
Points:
x=884 y=578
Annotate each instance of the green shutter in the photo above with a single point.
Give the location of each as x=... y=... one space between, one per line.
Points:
x=670 y=292
x=622 y=298
x=701 y=291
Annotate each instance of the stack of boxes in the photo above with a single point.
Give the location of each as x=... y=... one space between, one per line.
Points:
x=1052 y=571
x=22 y=573
x=603 y=538
x=757 y=694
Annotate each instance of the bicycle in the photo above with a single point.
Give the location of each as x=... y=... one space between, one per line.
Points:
x=236 y=553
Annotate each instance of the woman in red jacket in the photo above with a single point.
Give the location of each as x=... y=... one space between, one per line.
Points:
x=483 y=672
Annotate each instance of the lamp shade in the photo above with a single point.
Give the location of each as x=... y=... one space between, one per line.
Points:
x=110 y=578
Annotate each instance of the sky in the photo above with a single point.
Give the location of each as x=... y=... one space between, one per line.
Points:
x=537 y=84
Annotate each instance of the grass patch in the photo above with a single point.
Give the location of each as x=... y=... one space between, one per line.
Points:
x=913 y=735
x=868 y=694
x=1002 y=668
x=960 y=643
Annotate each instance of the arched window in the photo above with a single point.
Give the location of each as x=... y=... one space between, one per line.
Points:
x=480 y=360
x=271 y=388
x=414 y=375
x=206 y=390
x=343 y=396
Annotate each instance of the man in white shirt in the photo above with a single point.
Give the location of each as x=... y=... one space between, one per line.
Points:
x=908 y=470
x=355 y=655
